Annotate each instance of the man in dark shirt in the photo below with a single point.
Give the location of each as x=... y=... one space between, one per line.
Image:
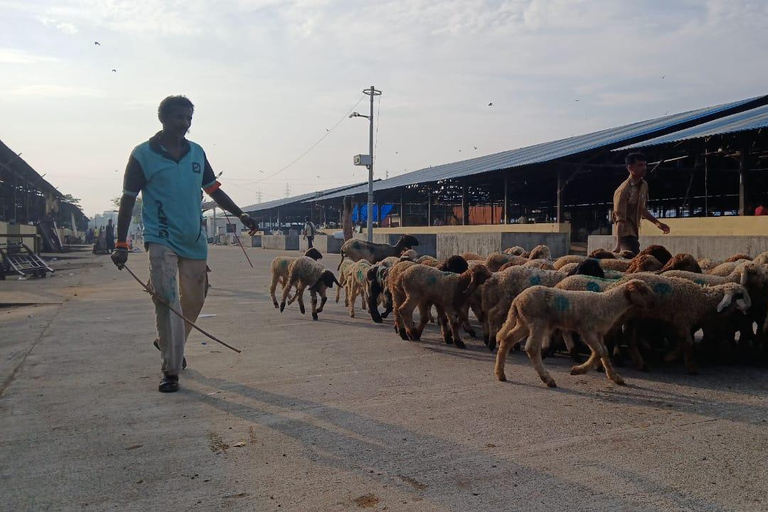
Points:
x=169 y=171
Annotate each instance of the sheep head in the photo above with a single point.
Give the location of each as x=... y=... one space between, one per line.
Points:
x=644 y=263
x=455 y=264
x=735 y=293
x=540 y=252
x=479 y=275
x=327 y=279
x=405 y=243
x=638 y=293
x=682 y=261
x=588 y=267
x=659 y=252
x=602 y=254
x=314 y=254
x=409 y=255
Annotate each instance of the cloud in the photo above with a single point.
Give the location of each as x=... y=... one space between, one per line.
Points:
x=14 y=56
x=64 y=27
x=53 y=91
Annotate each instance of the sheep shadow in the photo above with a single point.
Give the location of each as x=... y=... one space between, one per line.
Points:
x=391 y=453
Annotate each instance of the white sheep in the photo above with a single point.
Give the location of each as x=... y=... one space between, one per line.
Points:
x=304 y=272
x=279 y=269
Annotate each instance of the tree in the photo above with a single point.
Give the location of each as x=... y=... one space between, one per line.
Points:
x=68 y=198
x=136 y=213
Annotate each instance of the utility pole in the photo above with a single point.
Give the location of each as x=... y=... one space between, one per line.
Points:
x=370 y=92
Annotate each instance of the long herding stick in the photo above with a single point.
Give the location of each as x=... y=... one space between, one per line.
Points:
x=238 y=239
x=165 y=303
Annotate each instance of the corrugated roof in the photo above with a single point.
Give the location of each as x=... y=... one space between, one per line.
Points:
x=277 y=203
x=548 y=151
x=15 y=163
x=743 y=121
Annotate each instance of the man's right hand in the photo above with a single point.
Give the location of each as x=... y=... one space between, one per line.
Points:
x=120 y=257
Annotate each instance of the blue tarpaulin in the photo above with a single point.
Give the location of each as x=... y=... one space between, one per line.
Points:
x=386 y=209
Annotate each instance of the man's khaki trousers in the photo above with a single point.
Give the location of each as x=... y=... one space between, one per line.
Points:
x=172 y=331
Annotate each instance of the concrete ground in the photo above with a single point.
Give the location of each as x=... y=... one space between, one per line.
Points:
x=341 y=414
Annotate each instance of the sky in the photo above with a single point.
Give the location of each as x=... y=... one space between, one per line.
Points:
x=270 y=79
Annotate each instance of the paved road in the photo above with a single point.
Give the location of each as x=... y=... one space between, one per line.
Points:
x=341 y=414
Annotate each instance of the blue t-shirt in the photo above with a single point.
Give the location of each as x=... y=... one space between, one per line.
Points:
x=171 y=195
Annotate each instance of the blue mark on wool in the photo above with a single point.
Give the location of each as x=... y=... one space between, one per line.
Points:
x=562 y=303
x=535 y=280
x=431 y=280
x=662 y=289
x=700 y=282
x=356 y=245
x=284 y=264
x=593 y=287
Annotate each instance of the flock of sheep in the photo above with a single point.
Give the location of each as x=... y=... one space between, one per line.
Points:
x=639 y=305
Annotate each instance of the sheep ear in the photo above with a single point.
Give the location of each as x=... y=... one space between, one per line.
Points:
x=725 y=302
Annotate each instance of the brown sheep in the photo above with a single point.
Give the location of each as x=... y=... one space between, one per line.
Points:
x=540 y=252
x=279 y=270
x=657 y=251
x=539 y=310
x=447 y=291
x=355 y=249
x=542 y=264
x=602 y=254
x=618 y=265
x=305 y=272
x=515 y=251
x=682 y=261
x=737 y=257
x=644 y=263
x=568 y=259
x=471 y=256
x=495 y=261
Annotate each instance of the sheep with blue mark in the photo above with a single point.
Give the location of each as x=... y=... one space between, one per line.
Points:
x=540 y=252
x=304 y=272
x=537 y=311
x=279 y=269
x=355 y=283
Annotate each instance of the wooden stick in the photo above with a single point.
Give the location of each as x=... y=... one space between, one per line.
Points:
x=165 y=303
x=238 y=239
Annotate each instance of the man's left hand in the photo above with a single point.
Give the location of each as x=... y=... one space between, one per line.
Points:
x=663 y=227
x=249 y=223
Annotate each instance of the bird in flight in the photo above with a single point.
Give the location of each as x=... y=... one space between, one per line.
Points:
x=490 y=104
x=97 y=43
x=114 y=71
x=575 y=100
x=327 y=130
x=474 y=147
x=662 y=76
x=262 y=172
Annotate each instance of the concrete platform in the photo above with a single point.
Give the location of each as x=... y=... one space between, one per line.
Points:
x=342 y=415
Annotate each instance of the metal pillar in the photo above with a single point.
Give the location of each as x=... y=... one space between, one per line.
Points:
x=429 y=206
x=706 y=183
x=402 y=212
x=506 y=200
x=742 y=184
x=370 y=92
x=559 y=212
x=464 y=206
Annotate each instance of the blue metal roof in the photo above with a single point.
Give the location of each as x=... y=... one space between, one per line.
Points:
x=548 y=151
x=277 y=203
x=743 y=121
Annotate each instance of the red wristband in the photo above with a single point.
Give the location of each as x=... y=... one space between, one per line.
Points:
x=122 y=245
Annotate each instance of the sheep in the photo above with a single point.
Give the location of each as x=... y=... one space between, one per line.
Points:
x=279 y=270
x=428 y=260
x=515 y=251
x=682 y=261
x=540 y=252
x=761 y=258
x=306 y=272
x=657 y=251
x=540 y=264
x=357 y=284
x=395 y=290
x=568 y=259
x=498 y=292
x=471 y=256
x=644 y=263
x=409 y=255
x=619 y=265
x=566 y=269
x=372 y=252
x=737 y=257
x=602 y=254
x=707 y=264
x=446 y=290
x=343 y=280
x=537 y=311
x=589 y=267
x=684 y=306
x=495 y=261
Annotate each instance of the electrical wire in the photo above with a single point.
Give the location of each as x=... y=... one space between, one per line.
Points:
x=313 y=145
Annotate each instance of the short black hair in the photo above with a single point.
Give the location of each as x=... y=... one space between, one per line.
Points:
x=306 y=219
x=635 y=157
x=171 y=102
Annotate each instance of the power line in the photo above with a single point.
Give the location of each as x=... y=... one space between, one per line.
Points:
x=313 y=145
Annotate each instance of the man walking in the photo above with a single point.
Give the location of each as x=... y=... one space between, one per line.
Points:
x=110 y=237
x=309 y=231
x=169 y=171
x=629 y=205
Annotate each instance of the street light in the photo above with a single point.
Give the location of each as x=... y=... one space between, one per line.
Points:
x=369 y=161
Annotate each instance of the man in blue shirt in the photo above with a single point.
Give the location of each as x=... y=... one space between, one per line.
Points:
x=170 y=171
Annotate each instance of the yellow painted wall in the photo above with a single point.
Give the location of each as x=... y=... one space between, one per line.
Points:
x=711 y=226
x=487 y=228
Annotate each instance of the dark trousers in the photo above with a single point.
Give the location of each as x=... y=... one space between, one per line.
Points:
x=309 y=241
x=630 y=243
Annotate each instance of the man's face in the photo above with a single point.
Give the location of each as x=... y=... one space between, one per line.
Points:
x=178 y=121
x=637 y=169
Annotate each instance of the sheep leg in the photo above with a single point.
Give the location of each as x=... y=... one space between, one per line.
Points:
x=323 y=299
x=286 y=290
x=533 y=349
x=313 y=295
x=387 y=304
x=272 y=288
x=397 y=300
x=493 y=325
x=351 y=295
x=299 y=291
x=464 y=318
x=406 y=313
x=364 y=297
x=416 y=335
x=508 y=336
x=452 y=319
x=338 y=290
x=597 y=346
